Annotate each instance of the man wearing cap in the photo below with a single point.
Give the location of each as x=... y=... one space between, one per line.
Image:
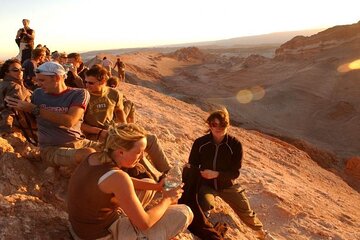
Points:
x=59 y=112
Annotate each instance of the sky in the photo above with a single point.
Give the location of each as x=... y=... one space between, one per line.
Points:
x=85 y=25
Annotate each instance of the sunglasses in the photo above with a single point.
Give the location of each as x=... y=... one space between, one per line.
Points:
x=90 y=83
x=218 y=125
x=17 y=69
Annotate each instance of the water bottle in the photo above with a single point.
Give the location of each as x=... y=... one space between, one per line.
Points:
x=173 y=177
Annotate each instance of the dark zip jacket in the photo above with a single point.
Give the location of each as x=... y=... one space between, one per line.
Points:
x=226 y=158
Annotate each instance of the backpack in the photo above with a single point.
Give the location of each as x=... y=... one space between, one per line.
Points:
x=26 y=122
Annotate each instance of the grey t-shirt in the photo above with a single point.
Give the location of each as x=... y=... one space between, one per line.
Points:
x=51 y=134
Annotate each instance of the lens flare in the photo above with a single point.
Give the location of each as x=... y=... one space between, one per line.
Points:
x=355 y=65
x=258 y=92
x=244 y=96
x=347 y=67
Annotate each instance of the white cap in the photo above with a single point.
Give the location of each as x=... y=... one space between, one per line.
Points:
x=51 y=69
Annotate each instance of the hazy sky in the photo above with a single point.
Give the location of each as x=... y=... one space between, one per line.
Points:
x=83 y=25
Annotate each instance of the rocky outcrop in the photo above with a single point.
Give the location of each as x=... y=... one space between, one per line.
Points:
x=188 y=54
x=254 y=60
x=301 y=47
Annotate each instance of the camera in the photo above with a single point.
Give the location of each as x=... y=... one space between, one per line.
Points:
x=67 y=66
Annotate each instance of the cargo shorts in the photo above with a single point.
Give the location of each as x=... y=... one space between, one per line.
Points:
x=64 y=155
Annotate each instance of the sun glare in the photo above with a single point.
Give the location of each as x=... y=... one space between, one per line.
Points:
x=347 y=67
x=355 y=65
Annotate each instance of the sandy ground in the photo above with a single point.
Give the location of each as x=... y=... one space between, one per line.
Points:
x=293 y=196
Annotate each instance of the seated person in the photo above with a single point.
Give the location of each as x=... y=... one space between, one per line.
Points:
x=59 y=112
x=218 y=155
x=129 y=108
x=13 y=86
x=37 y=58
x=105 y=108
x=104 y=202
x=76 y=73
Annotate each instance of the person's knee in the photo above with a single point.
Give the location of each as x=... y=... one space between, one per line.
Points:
x=184 y=215
x=82 y=154
x=151 y=139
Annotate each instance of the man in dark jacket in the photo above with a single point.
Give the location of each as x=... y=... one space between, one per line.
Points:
x=76 y=71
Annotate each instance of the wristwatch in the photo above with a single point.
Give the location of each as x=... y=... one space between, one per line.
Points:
x=36 y=111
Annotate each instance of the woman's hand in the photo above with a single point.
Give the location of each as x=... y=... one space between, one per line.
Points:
x=174 y=194
x=161 y=185
x=209 y=174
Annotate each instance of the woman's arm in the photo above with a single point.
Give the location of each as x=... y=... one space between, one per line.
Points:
x=121 y=185
x=145 y=185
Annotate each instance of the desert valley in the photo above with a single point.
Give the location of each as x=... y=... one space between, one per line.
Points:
x=295 y=106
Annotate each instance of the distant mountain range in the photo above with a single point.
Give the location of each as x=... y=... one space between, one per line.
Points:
x=264 y=39
x=276 y=38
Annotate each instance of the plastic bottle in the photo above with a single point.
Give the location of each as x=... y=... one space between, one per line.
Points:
x=173 y=177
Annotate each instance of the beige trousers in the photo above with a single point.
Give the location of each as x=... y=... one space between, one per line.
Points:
x=175 y=220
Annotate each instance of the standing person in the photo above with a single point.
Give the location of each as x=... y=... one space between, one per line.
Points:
x=12 y=85
x=76 y=73
x=104 y=202
x=107 y=64
x=25 y=40
x=59 y=112
x=218 y=155
x=121 y=69
x=37 y=58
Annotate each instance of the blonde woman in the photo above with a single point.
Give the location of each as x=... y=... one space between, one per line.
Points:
x=105 y=203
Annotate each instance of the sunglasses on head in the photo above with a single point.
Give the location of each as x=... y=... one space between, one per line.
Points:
x=218 y=125
x=17 y=69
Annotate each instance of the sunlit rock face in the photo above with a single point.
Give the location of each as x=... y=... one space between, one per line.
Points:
x=301 y=47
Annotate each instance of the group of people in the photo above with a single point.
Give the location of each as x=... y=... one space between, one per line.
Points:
x=82 y=122
x=120 y=65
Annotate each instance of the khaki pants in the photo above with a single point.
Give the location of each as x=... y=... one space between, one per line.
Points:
x=156 y=161
x=64 y=156
x=175 y=220
x=237 y=200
